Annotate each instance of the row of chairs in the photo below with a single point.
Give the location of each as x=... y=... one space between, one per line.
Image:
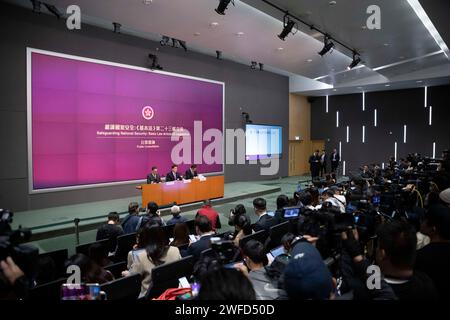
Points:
x=163 y=277
x=127 y=288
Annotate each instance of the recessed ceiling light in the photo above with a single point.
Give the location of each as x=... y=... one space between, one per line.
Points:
x=309 y=60
x=147 y=1
x=387 y=85
x=334 y=89
x=419 y=81
x=196 y=34
x=280 y=49
x=239 y=34
x=386 y=44
x=214 y=24
x=332 y=3
x=359 y=87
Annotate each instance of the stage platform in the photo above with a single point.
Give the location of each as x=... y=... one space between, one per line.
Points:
x=54 y=228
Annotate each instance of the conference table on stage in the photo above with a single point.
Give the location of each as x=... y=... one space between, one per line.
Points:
x=182 y=192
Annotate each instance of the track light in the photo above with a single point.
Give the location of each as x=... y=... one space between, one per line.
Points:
x=253 y=65
x=327 y=46
x=117 y=27
x=36 y=6
x=154 y=59
x=355 y=62
x=223 y=6
x=53 y=10
x=288 y=24
x=219 y=55
x=261 y=66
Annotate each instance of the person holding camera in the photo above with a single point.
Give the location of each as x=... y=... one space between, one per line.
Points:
x=17 y=285
x=254 y=268
x=395 y=256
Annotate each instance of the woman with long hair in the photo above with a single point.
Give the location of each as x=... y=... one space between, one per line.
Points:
x=180 y=235
x=157 y=252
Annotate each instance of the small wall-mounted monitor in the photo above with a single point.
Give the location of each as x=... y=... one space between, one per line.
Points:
x=263 y=141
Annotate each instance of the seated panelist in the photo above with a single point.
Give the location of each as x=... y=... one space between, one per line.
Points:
x=191 y=173
x=153 y=177
x=173 y=174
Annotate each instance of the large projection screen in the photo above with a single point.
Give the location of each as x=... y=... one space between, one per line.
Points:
x=95 y=123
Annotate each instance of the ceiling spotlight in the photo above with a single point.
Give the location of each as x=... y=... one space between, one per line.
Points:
x=154 y=60
x=356 y=60
x=219 y=55
x=164 y=41
x=36 y=6
x=253 y=65
x=288 y=24
x=53 y=10
x=261 y=66
x=327 y=46
x=223 y=6
x=117 y=27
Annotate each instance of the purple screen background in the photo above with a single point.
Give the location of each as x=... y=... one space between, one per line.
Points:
x=73 y=99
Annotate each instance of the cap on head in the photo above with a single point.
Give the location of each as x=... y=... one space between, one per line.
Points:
x=306 y=275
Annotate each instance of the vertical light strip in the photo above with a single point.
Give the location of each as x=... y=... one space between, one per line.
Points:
x=395 y=151
x=404 y=133
x=364 y=101
x=337 y=119
x=340 y=148
x=375 y=118
x=434 y=150
x=326 y=104
x=363 y=134
x=348 y=134
x=382 y=166
x=430 y=117
x=426 y=97
x=343 y=168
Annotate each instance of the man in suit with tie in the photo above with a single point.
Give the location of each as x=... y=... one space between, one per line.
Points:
x=264 y=220
x=334 y=158
x=191 y=173
x=314 y=164
x=173 y=174
x=204 y=231
x=153 y=177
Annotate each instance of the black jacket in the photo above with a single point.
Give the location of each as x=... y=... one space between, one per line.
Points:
x=171 y=177
x=152 y=179
x=196 y=248
x=337 y=158
x=264 y=223
x=189 y=174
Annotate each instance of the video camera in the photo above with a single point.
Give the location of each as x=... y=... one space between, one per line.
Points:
x=11 y=245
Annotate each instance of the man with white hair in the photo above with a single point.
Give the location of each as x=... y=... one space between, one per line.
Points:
x=177 y=217
x=445 y=197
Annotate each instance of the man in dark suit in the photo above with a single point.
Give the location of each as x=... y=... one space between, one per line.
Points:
x=334 y=158
x=173 y=174
x=191 y=173
x=314 y=164
x=323 y=163
x=153 y=177
x=264 y=220
x=204 y=231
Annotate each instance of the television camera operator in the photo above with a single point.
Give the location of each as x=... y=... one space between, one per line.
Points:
x=17 y=260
